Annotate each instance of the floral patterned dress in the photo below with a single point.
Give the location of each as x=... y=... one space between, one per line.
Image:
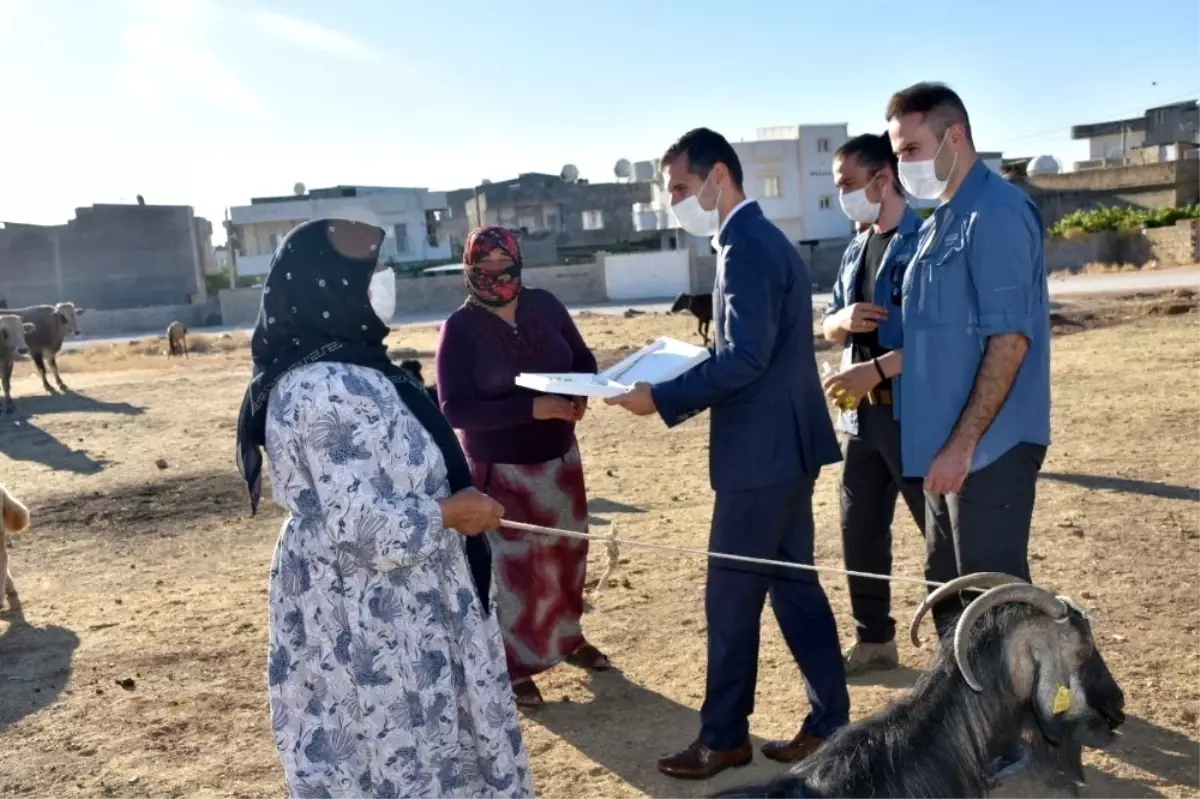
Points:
x=386 y=680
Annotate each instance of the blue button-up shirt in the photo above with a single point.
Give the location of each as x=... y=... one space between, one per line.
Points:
x=979 y=271
x=888 y=284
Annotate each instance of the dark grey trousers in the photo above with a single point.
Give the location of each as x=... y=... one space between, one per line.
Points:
x=985 y=527
x=871 y=481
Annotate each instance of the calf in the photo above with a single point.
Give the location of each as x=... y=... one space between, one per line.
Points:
x=51 y=325
x=413 y=367
x=177 y=340
x=12 y=344
x=14 y=518
x=700 y=306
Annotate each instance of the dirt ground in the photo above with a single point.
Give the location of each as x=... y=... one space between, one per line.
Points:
x=137 y=665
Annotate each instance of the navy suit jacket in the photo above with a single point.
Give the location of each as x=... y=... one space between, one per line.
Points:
x=769 y=424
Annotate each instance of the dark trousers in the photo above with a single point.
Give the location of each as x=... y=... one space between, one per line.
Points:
x=774 y=523
x=871 y=480
x=985 y=527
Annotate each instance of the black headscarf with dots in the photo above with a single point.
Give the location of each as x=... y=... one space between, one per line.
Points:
x=315 y=308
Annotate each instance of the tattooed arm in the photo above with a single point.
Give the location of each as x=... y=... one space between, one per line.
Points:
x=1001 y=362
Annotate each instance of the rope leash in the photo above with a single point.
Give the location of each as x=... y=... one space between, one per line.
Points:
x=612 y=542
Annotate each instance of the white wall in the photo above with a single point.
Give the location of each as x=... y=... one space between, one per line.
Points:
x=638 y=275
x=1109 y=145
x=264 y=225
x=822 y=215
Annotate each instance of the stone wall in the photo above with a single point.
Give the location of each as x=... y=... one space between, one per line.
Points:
x=1176 y=245
x=128 y=321
x=582 y=284
x=1159 y=185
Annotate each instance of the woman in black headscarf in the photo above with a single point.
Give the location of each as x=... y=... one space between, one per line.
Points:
x=386 y=673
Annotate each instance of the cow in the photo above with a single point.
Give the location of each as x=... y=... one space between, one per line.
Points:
x=700 y=306
x=12 y=344
x=14 y=518
x=176 y=340
x=52 y=324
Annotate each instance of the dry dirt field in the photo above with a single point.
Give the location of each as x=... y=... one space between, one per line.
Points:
x=137 y=665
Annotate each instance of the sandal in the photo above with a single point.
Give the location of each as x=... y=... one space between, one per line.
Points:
x=588 y=657
x=527 y=694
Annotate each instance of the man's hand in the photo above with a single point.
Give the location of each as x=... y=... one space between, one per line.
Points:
x=950 y=469
x=857 y=381
x=637 y=400
x=551 y=407
x=861 y=317
x=471 y=512
x=580 y=404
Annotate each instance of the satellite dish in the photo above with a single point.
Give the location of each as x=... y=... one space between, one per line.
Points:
x=141 y=200
x=1044 y=165
x=485 y=182
x=299 y=189
x=623 y=169
x=644 y=171
x=570 y=173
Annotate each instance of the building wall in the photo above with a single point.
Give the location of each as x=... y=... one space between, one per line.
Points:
x=107 y=257
x=1144 y=186
x=545 y=203
x=1111 y=145
x=262 y=225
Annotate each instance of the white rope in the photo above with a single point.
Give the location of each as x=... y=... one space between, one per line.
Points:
x=613 y=540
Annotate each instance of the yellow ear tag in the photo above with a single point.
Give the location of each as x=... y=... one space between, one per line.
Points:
x=1062 y=700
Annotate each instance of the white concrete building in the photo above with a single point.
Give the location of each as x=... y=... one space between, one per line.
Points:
x=411 y=217
x=789 y=171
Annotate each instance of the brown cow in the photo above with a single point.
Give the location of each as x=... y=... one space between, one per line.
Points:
x=12 y=344
x=177 y=340
x=52 y=324
x=14 y=518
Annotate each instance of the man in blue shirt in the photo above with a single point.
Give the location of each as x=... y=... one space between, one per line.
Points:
x=975 y=397
x=864 y=316
x=769 y=436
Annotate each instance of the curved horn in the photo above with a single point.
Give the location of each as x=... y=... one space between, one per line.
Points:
x=1022 y=593
x=980 y=580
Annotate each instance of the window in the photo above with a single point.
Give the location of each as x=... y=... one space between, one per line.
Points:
x=527 y=221
x=825 y=202
x=593 y=220
x=401 y=239
x=552 y=222
x=771 y=187
x=822 y=145
x=274 y=242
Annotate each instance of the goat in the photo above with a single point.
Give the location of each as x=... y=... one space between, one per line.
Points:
x=14 y=518
x=1022 y=673
x=700 y=306
x=177 y=340
x=413 y=367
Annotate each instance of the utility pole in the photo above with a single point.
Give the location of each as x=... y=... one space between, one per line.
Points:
x=231 y=244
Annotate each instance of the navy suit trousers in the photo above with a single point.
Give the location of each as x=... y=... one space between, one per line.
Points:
x=774 y=523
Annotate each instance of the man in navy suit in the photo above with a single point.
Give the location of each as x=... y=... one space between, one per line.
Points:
x=770 y=434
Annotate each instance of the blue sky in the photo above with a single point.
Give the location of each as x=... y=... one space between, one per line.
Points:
x=210 y=102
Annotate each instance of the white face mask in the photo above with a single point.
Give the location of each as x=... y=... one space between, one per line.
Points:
x=382 y=294
x=919 y=178
x=695 y=219
x=860 y=209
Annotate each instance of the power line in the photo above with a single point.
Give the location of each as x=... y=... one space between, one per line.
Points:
x=1117 y=115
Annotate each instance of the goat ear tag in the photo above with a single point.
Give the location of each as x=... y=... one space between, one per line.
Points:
x=1062 y=700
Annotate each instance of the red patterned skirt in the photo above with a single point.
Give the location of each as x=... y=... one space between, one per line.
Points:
x=538 y=579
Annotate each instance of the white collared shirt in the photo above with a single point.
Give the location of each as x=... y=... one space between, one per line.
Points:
x=725 y=222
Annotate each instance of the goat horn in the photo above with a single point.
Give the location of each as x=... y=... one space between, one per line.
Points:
x=978 y=580
x=1022 y=593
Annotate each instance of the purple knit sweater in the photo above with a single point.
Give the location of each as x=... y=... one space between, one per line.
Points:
x=479 y=355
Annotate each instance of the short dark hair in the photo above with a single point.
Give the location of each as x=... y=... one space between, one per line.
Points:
x=705 y=149
x=874 y=153
x=938 y=103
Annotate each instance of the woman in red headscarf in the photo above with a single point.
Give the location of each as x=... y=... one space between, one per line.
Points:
x=522 y=450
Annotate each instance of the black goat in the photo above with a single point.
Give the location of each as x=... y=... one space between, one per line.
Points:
x=700 y=306
x=413 y=367
x=1022 y=674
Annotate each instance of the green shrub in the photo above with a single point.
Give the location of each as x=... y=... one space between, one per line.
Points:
x=1102 y=218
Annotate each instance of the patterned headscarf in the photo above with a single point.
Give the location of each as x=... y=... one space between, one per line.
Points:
x=490 y=286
